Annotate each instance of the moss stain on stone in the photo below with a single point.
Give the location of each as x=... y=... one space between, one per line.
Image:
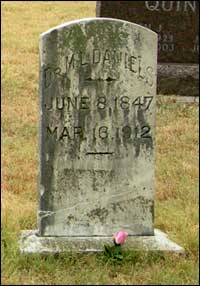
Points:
x=98 y=213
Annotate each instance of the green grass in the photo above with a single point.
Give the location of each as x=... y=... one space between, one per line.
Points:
x=176 y=200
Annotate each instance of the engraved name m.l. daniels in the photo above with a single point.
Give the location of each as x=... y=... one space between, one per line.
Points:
x=111 y=58
x=108 y=59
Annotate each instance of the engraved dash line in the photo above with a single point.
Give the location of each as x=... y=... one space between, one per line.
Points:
x=100 y=79
x=99 y=153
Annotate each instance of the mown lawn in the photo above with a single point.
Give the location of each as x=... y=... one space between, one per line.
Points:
x=176 y=207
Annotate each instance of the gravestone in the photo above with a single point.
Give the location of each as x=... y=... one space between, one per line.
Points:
x=177 y=25
x=97 y=138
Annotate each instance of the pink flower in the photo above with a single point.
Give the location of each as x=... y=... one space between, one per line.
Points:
x=119 y=237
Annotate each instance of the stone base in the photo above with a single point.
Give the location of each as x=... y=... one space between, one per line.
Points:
x=30 y=242
x=179 y=79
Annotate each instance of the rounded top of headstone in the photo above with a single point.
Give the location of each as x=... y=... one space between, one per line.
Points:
x=97 y=19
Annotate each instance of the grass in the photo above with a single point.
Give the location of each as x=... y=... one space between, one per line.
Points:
x=176 y=207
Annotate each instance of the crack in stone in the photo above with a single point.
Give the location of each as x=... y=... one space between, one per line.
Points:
x=49 y=213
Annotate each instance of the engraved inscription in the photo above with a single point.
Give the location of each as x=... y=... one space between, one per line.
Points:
x=111 y=58
x=68 y=104
x=102 y=132
x=166 y=42
x=82 y=103
x=167 y=6
x=79 y=104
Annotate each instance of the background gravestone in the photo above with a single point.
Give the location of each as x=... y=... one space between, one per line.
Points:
x=177 y=25
x=97 y=137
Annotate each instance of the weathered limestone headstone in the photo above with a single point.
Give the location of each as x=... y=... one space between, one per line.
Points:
x=97 y=137
x=97 y=129
x=177 y=25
